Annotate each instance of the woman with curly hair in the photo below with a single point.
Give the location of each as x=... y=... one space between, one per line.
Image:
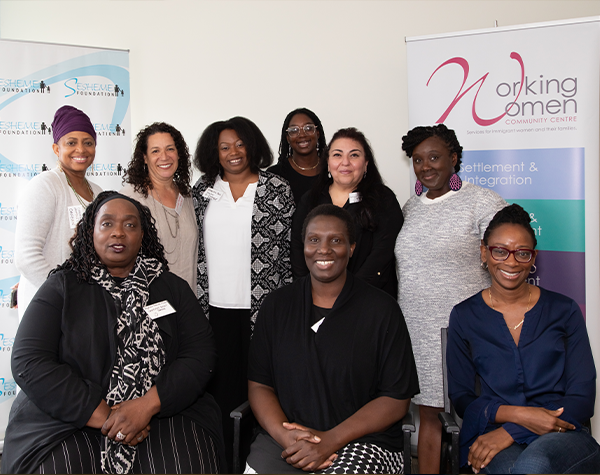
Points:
x=437 y=255
x=350 y=179
x=244 y=217
x=301 y=151
x=113 y=360
x=158 y=176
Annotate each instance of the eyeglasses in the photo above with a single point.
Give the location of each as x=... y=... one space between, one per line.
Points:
x=521 y=255
x=309 y=129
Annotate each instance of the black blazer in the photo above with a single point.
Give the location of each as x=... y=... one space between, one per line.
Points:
x=64 y=353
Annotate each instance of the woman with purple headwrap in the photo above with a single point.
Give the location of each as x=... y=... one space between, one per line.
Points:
x=53 y=203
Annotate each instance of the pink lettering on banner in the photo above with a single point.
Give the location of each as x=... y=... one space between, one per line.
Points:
x=465 y=66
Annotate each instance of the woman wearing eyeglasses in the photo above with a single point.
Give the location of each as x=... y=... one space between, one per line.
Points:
x=300 y=151
x=530 y=349
x=437 y=253
x=350 y=179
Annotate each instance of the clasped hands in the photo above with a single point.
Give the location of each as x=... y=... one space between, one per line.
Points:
x=130 y=419
x=306 y=448
x=538 y=420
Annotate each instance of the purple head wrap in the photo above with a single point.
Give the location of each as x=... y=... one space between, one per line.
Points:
x=69 y=119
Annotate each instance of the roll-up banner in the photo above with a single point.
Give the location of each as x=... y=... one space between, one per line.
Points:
x=35 y=80
x=524 y=102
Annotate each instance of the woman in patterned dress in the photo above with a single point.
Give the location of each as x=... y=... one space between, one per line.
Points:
x=244 y=219
x=111 y=383
x=437 y=255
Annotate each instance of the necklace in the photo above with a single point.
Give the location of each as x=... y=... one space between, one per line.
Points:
x=79 y=198
x=168 y=213
x=306 y=168
x=526 y=310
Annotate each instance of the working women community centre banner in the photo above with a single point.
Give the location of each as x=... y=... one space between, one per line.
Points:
x=35 y=80
x=524 y=102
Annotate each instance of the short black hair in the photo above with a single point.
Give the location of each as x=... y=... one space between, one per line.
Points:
x=137 y=174
x=284 y=149
x=415 y=136
x=512 y=214
x=336 y=212
x=83 y=258
x=206 y=157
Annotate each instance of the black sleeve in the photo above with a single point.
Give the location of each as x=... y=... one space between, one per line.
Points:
x=183 y=380
x=55 y=387
x=299 y=268
x=389 y=223
x=260 y=367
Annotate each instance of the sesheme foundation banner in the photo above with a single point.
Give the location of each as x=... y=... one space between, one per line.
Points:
x=35 y=80
x=524 y=103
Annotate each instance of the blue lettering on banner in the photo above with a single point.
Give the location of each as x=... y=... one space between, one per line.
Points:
x=538 y=174
x=8 y=389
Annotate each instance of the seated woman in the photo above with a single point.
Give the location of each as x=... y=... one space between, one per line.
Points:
x=331 y=369
x=111 y=346
x=530 y=349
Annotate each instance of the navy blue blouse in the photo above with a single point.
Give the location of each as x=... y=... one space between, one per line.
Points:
x=552 y=367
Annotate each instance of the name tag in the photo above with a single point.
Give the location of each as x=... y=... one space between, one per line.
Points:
x=160 y=309
x=179 y=204
x=316 y=326
x=355 y=197
x=212 y=194
x=75 y=213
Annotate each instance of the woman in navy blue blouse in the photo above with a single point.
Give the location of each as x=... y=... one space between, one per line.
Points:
x=530 y=349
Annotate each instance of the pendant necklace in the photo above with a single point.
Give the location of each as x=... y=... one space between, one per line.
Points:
x=526 y=310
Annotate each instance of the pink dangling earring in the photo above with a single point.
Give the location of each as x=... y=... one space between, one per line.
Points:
x=455 y=182
x=418 y=188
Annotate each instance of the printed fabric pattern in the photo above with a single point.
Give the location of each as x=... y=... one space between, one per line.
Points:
x=271 y=233
x=140 y=350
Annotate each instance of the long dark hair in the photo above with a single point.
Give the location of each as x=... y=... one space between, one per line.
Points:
x=284 y=149
x=84 y=258
x=206 y=157
x=370 y=187
x=137 y=174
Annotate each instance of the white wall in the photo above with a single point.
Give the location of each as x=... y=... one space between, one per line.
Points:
x=195 y=62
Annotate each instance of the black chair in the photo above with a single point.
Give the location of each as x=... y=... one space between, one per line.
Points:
x=450 y=450
x=244 y=412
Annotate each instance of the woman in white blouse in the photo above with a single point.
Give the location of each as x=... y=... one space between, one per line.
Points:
x=158 y=176
x=244 y=219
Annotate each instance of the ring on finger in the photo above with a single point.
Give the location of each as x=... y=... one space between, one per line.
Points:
x=120 y=436
x=140 y=438
x=559 y=429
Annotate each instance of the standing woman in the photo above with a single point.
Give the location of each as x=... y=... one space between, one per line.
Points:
x=244 y=217
x=158 y=176
x=54 y=202
x=437 y=252
x=351 y=180
x=300 y=151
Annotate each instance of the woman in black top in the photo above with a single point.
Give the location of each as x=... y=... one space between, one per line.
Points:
x=352 y=181
x=301 y=151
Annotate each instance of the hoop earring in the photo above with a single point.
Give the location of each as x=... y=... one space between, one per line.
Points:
x=418 y=188
x=484 y=265
x=290 y=151
x=533 y=269
x=455 y=182
x=318 y=149
x=328 y=174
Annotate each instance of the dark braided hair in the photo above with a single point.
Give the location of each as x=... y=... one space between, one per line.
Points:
x=284 y=149
x=137 y=173
x=371 y=187
x=335 y=211
x=258 y=152
x=415 y=136
x=512 y=214
x=83 y=256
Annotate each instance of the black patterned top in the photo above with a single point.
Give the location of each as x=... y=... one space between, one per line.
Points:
x=271 y=232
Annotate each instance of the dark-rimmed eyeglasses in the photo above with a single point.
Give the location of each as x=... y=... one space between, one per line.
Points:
x=521 y=255
x=309 y=129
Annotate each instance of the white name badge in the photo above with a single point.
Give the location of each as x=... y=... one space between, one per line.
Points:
x=355 y=197
x=160 y=309
x=212 y=194
x=179 y=204
x=316 y=326
x=75 y=213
